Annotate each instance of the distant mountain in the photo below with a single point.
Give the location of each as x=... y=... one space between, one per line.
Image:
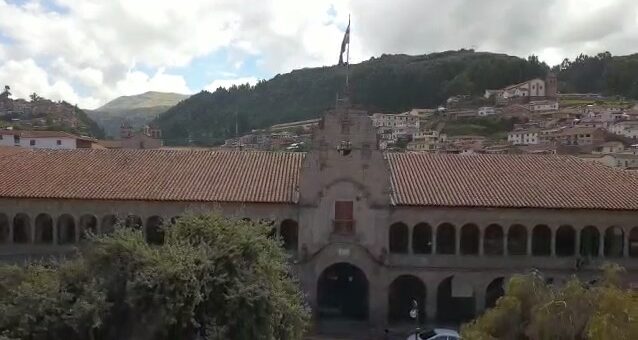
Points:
x=390 y=83
x=44 y=114
x=138 y=110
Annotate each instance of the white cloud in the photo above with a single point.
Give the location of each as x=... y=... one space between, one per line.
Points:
x=226 y=83
x=85 y=53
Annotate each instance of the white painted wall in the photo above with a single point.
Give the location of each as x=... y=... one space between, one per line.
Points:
x=40 y=143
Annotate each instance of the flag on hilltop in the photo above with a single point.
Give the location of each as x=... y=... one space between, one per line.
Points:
x=346 y=41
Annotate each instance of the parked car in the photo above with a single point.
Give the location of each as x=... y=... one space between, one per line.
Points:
x=436 y=334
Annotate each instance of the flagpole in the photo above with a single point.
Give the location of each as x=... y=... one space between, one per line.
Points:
x=348 y=59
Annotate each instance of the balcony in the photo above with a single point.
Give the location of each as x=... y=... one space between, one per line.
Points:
x=343 y=227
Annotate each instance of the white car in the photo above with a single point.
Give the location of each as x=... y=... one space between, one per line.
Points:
x=436 y=334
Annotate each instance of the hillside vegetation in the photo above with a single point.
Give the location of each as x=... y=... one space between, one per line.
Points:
x=390 y=83
x=137 y=110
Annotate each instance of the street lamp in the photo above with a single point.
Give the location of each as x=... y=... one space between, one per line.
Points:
x=414 y=314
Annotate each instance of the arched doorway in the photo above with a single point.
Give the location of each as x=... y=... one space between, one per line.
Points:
x=133 y=222
x=66 y=229
x=446 y=239
x=565 y=241
x=108 y=224
x=541 y=241
x=342 y=292
x=517 y=240
x=88 y=224
x=614 y=242
x=493 y=292
x=454 y=301
x=589 y=241
x=469 y=240
x=21 y=228
x=493 y=240
x=154 y=230
x=289 y=233
x=4 y=229
x=422 y=239
x=398 y=238
x=403 y=291
x=43 y=229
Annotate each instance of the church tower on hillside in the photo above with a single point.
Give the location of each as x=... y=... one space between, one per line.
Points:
x=551 y=85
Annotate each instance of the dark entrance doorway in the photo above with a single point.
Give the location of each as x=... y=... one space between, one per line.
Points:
x=403 y=291
x=342 y=292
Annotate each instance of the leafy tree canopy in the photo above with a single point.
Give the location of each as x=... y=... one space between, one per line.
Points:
x=532 y=309
x=213 y=278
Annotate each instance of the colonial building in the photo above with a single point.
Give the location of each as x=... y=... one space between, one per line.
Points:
x=368 y=231
x=45 y=140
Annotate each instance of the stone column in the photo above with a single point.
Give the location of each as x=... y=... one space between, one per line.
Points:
x=10 y=225
x=481 y=242
x=378 y=299
x=430 y=301
x=529 y=243
x=479 y=299
x=577 y=242
x=434 y=240
x=410 y=240
x=505 y=244
x=552 y=243
x=457 y=241
x=625 y=243
x=54 y=228
x=601 y=245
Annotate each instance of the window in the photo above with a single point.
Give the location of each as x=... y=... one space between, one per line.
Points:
x=58 y=142
x=343 y=221
x=32 y=142
x=0 y=137
x=16 y=139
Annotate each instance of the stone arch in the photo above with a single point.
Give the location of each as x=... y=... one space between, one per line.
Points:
x=402 y=292
x=289 y=233
x=446 y=239
x=66 y=229
x=422 y=239
x=589 y=241
x=21 y=228
x=398 y=238
x=614 y=242
x=88 y=224
x=633 y=242
x=454 y=301
x=43 y=229
x=5 y=229
x=541 y=240
x=565 y=241
x=517 y=240
x=133 y=222
x=493 y=240
x=470 y=235
x=494 y=291
x=108 y=223
x=342 y=292
x=155 y=230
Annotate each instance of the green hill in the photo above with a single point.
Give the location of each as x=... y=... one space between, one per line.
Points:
x=389 y=83
x=138 y=109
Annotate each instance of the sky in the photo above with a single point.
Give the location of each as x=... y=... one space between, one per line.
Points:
x=88 y=52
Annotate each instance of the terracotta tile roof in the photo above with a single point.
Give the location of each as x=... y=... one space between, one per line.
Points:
x=517 y=181
x=419 y=179
x=152 y=175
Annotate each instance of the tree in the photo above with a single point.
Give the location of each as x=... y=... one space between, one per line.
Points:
x=532 y=309
x=34 y=97
x=7 y=92
x=213 y=278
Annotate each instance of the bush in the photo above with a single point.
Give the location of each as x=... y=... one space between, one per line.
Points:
x=213 y=278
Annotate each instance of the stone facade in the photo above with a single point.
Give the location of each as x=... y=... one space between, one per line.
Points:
x=356 y=253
